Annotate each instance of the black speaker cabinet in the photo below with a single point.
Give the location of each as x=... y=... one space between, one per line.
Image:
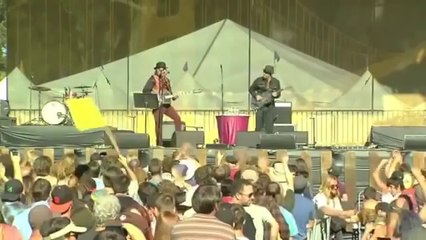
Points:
x=277 y=141
x=130 y=140
x=168 y=130
x=248 y=139
x=302 y=138
x=415 y=142
x=282 y=112
x=193 y=137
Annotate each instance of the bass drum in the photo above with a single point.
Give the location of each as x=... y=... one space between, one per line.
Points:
x=54 y=113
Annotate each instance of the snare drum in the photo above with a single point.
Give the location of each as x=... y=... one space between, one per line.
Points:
x=54 y=113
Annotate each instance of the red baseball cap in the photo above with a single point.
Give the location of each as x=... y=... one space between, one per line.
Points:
x=61 y=199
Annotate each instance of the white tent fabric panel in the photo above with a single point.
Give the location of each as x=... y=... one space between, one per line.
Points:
x=224 y=43
x=367 y=93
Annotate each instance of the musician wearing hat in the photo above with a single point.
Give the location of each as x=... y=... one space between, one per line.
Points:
x=264 y=90
x=159 y=84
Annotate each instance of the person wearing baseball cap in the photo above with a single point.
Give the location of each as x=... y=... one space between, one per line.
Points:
x=61 y=200
x=13 y=190
x=60 y=228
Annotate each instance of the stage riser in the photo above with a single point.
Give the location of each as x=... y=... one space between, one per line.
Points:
x=68 y=136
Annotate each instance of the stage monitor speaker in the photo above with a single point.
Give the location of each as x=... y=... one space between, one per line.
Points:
x=248 y=139
x=302 y=138
x=193 y=137
x=168 y=130
x=283 y=128
x=415 y=142
x=282 y=112
x=277 y=141
x=130 y=140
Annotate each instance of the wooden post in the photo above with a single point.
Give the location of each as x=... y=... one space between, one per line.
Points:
x=89 y=152
x=419 y=160
x=374 y=160
x=202 y=156
x=350 y=177
x=308 y=159
x=326 y=163
x=158 y=153
x=49 y=152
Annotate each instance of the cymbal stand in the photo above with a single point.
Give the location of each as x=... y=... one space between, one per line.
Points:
x=39 y=119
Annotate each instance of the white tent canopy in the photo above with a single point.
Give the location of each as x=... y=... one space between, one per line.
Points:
x=225 y=44
x=367 y=93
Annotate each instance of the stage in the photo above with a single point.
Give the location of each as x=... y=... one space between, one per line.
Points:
x=67 y=137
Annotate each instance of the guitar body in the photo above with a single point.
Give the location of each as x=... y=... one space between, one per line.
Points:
x=166 y=98
x=267 y=99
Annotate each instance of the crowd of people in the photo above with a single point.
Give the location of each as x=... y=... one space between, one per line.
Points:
x=241 y=197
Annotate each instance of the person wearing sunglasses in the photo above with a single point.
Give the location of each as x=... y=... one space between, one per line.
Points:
x=328 y=203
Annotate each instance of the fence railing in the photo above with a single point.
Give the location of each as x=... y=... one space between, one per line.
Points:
x=332 y=127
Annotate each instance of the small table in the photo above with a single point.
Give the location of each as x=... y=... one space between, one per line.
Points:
x=229 y=125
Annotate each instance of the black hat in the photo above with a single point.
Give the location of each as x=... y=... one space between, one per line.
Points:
x=160 y=65
x=61 y=199
x=12 y=191
x=269 y=69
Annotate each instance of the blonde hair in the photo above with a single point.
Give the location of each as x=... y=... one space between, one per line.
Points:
x=325 y=186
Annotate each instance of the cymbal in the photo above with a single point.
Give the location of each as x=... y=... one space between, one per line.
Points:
x=86 y=92
x=39 y=88
x=83 y=87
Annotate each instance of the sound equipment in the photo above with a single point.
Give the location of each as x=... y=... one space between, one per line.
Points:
x=415 y=142
x=7 y=121
x=4 y=108
x=248 y=139
x=168 y=130
x=282 y=112
x=277 y=141
x=193 y=137
x=129 y=140
x=283 y=128
x=302 y=138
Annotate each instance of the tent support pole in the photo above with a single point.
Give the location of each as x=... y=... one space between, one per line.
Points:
x=249 y=54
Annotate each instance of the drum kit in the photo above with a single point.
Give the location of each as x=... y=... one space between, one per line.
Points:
x=55 y=112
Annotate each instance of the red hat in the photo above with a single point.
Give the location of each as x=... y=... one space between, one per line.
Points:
x=61 y=199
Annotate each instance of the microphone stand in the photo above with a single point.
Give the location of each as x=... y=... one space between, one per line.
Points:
x=103 y=73
x=221 y=90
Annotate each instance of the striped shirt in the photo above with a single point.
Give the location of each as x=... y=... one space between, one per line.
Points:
x=202 y=226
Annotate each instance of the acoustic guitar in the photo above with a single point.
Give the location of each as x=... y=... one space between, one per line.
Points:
x=167 y=97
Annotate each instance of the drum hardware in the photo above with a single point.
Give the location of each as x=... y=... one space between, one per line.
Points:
x=55 y=113
x=38 y=120
x=82 y=87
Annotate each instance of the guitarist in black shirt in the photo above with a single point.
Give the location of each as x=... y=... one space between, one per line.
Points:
x=264 y=90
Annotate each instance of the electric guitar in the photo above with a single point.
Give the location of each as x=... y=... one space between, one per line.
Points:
x=167 y=98
x=267 y=98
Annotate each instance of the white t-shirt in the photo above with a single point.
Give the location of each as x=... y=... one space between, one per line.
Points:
x=388 y=198
x=321 y=200
x=260 y=215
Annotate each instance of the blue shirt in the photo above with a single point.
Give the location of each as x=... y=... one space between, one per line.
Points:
x=99 y=183
x=22 y=223
x=303 y=211
x=291 y=222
